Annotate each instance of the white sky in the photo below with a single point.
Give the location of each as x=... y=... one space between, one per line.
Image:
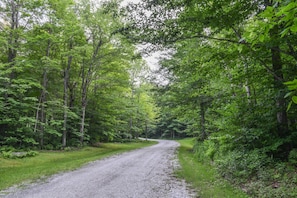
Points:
x=125 y=2
x=153 y=58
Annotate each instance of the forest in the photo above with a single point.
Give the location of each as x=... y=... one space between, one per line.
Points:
x=73 y=73
x=67 y=78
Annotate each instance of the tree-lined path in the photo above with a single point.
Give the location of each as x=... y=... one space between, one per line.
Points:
x=146 y=172
x=74 y=73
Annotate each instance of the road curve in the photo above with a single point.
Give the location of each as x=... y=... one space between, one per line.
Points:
x=142 y=173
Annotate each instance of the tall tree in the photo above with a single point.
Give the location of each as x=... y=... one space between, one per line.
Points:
x=250 y=32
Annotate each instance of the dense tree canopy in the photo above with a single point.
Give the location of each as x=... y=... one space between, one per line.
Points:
x=71 y=74
x=231 y=55
x=65 y=75
x=229 y=66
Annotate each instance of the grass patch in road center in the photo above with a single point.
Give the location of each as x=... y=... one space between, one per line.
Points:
x=16 y=171
x=202 y=176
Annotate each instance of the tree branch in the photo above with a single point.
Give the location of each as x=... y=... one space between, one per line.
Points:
x=211 y=38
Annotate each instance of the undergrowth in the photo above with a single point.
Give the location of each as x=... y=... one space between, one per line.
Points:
x=254 y=172
x=202 y=176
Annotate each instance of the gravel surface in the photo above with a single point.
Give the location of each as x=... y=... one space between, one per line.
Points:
x=143 y=173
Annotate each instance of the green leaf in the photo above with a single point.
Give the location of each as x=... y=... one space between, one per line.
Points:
x=289 y=7
x=289 y=106
x=268 y=13
x=288 y=94
x=261 y=38
x=293 y=28
x=292 y=85
x=294 y=99
x=284 y=32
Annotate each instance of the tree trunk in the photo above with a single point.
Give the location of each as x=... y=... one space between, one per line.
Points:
x=66 y=84
x=255 y=96
x=277 y=67
x=202 y=121
x=247 y=84
x=131 y=118
x=42 y=113
x=83 y=109
x=43 y=100
x=82 y=126
x=64 y=138
x=146 y=129
x=72 y=94
x=86 y=79
x=13 y=36
x=12 y=43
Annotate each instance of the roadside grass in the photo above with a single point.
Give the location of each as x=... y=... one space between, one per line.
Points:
x=46 y=163
x=202 y=176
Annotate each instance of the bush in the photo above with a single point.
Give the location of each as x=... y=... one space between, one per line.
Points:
x=293 y=157
x=7 y=149
x=240 y=166
x=14 y=155
x=49 y=147
x=280 y=181
x=68 y=148
x=31 y=153
x=206 y=150
x=199 y=151
x=258 y=175
x=7 y=154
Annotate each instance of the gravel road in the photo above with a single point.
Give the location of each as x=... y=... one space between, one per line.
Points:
x=142 y=173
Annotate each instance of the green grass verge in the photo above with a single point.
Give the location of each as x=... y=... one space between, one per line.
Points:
x=16 y=171
x=202 y=176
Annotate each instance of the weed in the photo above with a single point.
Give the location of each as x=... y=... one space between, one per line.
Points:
x=202 y=175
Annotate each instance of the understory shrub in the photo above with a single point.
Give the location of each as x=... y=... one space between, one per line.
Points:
x=7 y=148
x=293 y=157
x=257 y=174
x=240 y=165
x=252 y=170
x=276 y=180
x=199 y=151
x=14 y=155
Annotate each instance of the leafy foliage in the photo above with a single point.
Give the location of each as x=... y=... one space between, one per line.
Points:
x=65 y=75
x=14 y=155
x=230 y=65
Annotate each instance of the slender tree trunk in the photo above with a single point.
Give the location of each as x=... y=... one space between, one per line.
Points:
x=13 y=36
x=202 y=121
x=136 y=133
x=86 y=80
x=278 y=85
x=131 y=117
x=42 y=113
x=255 y=96
x=82 y=126
x=277 y=68
x=13 y=41
x=72 y=94
x=83 y=108
x=247 y=86
x=64 y=138
x=43 y=99
x=84 y=100
x=66 y=85
x=248 y=91
x=131 y=127
x=146 y=129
